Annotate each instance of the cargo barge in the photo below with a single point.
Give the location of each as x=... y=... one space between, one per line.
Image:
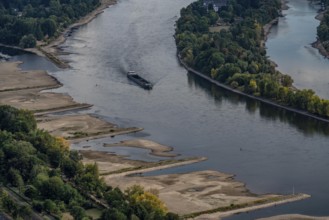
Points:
x=139 y=80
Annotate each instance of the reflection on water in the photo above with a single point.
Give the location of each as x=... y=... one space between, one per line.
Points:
x=308 y=126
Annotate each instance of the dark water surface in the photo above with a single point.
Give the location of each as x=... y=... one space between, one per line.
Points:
x=269 y=149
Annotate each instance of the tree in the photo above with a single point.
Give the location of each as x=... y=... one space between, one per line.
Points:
x=150 y=202
x=78 y=213
x=113 y=214
x=14 y=120
x=50 y=207
x=252 y=86
x=28 y=41
x=15 y=178
x=49 y=27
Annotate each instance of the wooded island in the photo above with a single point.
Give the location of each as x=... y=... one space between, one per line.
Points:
x=226 y=43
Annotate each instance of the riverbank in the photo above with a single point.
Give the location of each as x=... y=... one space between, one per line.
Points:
x=294 y=217
x=155 y=148
x=269 y=202
x=51 y=50
x=318 y=44
x=203 y=192
x=272 y=103
x=267 y=27
x=30 y=90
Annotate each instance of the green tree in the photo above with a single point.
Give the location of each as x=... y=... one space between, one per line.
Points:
x=28 y=41
x=78 y=213
x=49 y=27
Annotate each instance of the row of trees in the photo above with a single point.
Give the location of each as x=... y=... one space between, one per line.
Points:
x=236 y=55
x=43 y=169
x=22 y=23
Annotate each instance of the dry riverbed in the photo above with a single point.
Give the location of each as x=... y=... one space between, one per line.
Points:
x=294 y=217
x=204 y=194
x=155 y=148
x=80 y=126
x=25 y=90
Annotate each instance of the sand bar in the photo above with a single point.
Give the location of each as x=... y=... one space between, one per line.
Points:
x=37 y=101
x=294 y=217
x=201 y=192
x=12 y=78
x=187 y=193
x=78 y=126
x=109 y=162
x=155 y=148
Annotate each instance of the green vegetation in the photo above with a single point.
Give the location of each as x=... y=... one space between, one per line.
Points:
x=24 y=22
x=323 y=28
x=53 y=180
x=237 y=57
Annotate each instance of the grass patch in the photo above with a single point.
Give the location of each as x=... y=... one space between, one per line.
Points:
x=94 y=213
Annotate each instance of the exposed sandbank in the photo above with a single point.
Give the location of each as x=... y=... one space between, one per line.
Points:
x=202 y=192
x=37 y=101
x=111 y=160
x=12 y=78
x=156 y=148
x=195 y=193
x=24 y=90
x=78 y=127
x=294 y=217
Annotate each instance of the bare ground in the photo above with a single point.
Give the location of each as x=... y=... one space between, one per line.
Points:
x=12 y=78
x=37 y=101
x=201 y=192
x=294 y=217
x=156 y=148
x=79 y=126
x=109 y=162
x=187 y=193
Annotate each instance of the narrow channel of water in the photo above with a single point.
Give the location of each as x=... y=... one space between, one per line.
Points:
x=289 y=45
x=269 y=149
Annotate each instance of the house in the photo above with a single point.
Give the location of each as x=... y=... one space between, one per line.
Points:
x=217 y=4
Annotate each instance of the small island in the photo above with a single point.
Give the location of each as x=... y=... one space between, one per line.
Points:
x=223 y=41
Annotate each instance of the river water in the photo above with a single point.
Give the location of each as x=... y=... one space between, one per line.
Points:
x=269 y=149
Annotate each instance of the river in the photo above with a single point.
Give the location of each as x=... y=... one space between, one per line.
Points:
x=269 y=149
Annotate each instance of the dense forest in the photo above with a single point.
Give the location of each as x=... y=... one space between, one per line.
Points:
x=227 y=45
x=23 y=22
x=52 y=179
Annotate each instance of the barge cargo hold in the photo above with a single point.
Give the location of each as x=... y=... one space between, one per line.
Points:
x=139 y=80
